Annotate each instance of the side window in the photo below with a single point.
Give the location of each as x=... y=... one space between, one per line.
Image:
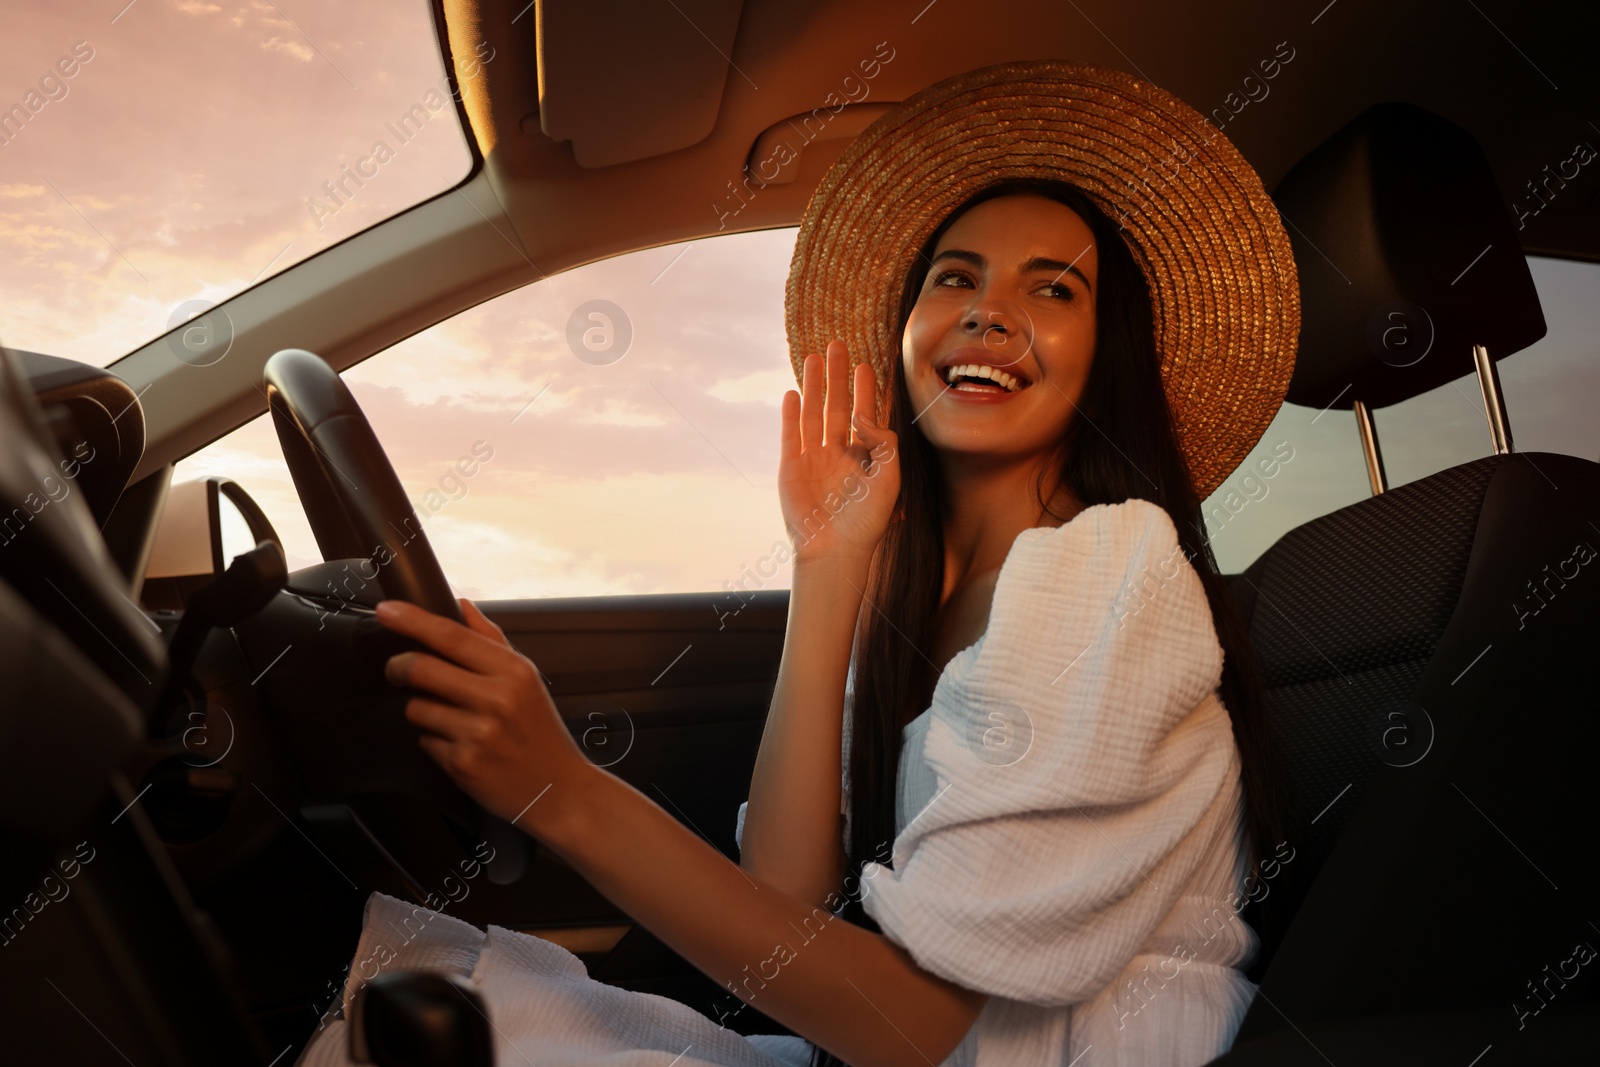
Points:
x=611 y=429
x=1310 y=462
x=614 y=429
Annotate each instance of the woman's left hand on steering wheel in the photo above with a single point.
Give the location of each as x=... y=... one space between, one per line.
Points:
x=487 y=718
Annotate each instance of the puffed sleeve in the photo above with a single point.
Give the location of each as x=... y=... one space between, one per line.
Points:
x=1084 y=766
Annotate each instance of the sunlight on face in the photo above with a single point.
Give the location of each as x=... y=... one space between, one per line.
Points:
x=1011 y=291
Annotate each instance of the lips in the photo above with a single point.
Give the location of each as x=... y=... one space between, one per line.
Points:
x=971 y=369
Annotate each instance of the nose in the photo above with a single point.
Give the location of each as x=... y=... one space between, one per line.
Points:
x=982 y=321
x=993 y=325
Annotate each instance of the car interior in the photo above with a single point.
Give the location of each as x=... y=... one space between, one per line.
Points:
x=1426 y=651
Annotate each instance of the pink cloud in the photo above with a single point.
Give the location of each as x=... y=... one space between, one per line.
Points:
x=179 y=156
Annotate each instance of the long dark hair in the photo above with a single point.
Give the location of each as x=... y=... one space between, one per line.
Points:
x=1120 y=445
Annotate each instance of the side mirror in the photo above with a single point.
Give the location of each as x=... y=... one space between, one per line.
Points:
x=203 y=526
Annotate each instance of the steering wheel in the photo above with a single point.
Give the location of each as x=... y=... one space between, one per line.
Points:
x=352 y=498
x=365 y=525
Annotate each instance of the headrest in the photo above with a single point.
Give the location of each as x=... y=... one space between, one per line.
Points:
x=1408 y=257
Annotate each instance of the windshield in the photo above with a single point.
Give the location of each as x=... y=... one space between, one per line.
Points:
x=161 y=158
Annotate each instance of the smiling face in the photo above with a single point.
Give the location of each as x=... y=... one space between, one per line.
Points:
x=998 y=345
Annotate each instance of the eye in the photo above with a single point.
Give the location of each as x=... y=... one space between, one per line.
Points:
x=951 y=279
x=1058 y=291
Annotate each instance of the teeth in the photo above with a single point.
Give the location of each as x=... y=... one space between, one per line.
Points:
x=977 y=370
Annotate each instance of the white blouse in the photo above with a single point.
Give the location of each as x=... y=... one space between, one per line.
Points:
x=1068 y=826
x=1067 y=841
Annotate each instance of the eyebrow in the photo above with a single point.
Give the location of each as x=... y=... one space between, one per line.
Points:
x=1037 y=263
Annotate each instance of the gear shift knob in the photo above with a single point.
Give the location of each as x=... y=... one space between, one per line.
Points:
x=419 y=1019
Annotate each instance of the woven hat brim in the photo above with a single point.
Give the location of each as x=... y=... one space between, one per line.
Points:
x=1201 y=227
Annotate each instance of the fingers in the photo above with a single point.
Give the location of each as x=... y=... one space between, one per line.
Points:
x=879 y=441
x=447 y=752
x=789 y=435
x=828 y=411
x=811 y=390
x=445 y=636
x=864 y=413
x=480 y=622
x=448 y=722
x=836 y=430
x=444 y=751
x=418 y=670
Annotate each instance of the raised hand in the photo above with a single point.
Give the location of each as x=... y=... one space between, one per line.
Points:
x=838 y=470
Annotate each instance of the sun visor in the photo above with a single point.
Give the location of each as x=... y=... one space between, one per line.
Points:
x=1408 y=257
x=627 y=86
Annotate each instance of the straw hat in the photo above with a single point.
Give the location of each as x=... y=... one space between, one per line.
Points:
x=1199 y=223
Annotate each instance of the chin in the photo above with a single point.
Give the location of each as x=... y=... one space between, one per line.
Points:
x=992 y=433
x=995 y=443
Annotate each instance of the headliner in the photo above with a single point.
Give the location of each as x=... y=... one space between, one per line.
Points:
x=1523 y=95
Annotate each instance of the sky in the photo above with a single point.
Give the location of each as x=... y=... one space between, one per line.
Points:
x=180 y=159
x=185 y=158
x=655 y=472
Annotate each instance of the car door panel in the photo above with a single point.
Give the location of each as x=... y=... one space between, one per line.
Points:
x=670 y=693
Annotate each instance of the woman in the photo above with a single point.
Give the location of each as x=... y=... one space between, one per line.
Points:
x=1080 y=309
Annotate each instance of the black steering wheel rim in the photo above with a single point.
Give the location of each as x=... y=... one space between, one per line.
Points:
x=353 y=500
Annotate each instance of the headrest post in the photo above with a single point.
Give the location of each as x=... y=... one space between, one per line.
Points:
x=1494 y=403
x=1369 y=447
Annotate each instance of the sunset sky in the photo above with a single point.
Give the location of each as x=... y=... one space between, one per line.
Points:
x=185 y=159
x=178 y=161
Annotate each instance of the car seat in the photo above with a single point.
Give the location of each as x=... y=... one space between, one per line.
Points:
x=1427 y=652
